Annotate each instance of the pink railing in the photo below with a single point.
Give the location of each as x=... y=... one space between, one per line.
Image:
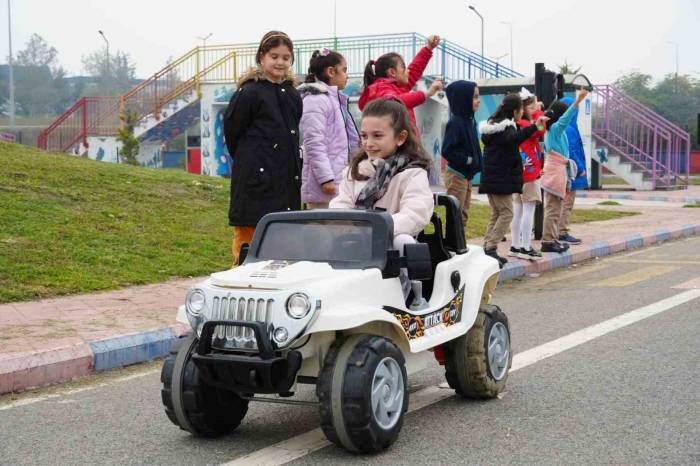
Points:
x=651 y=143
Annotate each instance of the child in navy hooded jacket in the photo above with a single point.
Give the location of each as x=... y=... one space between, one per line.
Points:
x=460 y=147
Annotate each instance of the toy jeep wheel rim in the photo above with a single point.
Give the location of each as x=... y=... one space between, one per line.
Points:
x=387 y=393
x=498 y=350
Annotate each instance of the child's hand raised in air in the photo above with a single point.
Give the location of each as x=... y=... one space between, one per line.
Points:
x=582 y=94
x=433 y=41
x=541 y=122
x=434 y=88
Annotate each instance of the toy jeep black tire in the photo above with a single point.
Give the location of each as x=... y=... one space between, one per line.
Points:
x=190 y=403
x=478 y=362
x=363 y=393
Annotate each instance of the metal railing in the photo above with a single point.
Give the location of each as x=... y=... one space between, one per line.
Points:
x=200 y=65
x=450 y=61
x=651 y=143
x=89 y=116
x=99 y=116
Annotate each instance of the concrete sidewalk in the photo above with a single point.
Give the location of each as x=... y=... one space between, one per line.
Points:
x=684 y=196
x=55 y=340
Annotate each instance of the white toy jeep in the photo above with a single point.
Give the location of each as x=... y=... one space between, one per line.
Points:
x=318 y=300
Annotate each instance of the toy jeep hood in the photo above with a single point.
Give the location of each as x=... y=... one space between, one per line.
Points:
x=273 y=274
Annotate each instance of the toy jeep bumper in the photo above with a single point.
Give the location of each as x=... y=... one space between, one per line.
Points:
x=264 y=372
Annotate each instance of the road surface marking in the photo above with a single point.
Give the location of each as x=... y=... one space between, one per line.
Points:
x=634 y=277
x=73 y=391
x=309 y=442
x=693 y=284
x=570 y=273
x=657 y=261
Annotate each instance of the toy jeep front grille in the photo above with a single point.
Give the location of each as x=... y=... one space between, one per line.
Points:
x=245 y=309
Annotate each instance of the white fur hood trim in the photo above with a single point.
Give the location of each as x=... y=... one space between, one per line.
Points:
x=313 y=88
x=492 y=128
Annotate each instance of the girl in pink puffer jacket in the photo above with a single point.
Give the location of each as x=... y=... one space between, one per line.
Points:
x=328 y=130
x=390 y=172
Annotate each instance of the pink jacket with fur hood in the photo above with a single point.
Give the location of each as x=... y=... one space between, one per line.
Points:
x=408 y=199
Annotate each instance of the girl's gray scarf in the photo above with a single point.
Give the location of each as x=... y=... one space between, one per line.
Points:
x=378 y=184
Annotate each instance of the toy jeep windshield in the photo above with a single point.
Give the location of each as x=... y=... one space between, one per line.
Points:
x=319 y=300
x=344 y=239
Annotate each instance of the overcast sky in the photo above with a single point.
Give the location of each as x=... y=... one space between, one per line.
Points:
x=606 y=37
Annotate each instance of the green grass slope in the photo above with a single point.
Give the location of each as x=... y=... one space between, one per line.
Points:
x=72 y=225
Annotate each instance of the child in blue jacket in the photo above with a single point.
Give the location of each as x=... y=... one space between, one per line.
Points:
x=460 y=147
x=560 y=115
x=577 y=154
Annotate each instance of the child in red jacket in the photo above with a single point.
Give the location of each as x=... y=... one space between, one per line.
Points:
x=524 y=204
x=388 y=77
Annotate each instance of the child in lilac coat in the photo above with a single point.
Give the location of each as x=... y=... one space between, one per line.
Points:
x=328 y=130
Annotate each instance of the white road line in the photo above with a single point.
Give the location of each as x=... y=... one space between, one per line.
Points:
x=73 y=391
x=309 y=442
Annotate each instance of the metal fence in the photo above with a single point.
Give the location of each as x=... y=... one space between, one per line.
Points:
x=99 y=116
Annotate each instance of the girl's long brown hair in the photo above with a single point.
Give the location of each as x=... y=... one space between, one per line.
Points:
x=400 y=121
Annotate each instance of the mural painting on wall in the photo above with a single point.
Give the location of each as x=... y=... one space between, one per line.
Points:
x=150 y=154
x=215 y=157
x=353 y=88
x=430 y=118
x=103 y=149
x=175 y=125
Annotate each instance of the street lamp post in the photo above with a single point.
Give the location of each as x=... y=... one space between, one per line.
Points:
x=205 y=39
x=675 y=44
x=497 y=59
x=12 y=76
x=471 y=7
x=204 y=49
x=109 y=67
x=335 y=19
x=510 y=26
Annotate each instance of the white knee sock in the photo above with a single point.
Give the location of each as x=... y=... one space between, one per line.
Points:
x=515 y=225
x=526 y=225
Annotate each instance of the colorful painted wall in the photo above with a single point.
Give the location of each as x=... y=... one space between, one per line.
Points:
x=106 y=149
x=215 y=157
x=103 y=149
x=216 y=161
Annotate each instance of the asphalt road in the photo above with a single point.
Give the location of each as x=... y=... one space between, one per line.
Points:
x=627 y=397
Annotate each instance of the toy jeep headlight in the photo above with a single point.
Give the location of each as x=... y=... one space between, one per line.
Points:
x=195 y=302
x=298 y=305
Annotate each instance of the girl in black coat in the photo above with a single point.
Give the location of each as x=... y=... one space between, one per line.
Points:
x=261 y=127
x=502 y=172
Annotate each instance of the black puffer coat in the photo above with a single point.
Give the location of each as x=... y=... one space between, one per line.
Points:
x=502 y=171
x=261 y=127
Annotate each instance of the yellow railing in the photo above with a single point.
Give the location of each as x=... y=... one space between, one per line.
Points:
x=201 y=65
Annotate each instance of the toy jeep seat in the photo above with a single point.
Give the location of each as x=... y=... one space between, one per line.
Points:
x=442 y=242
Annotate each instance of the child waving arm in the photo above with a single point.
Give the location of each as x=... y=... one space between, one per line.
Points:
x=421 y=60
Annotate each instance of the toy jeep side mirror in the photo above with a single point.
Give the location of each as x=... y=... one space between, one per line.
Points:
x=418 y=262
